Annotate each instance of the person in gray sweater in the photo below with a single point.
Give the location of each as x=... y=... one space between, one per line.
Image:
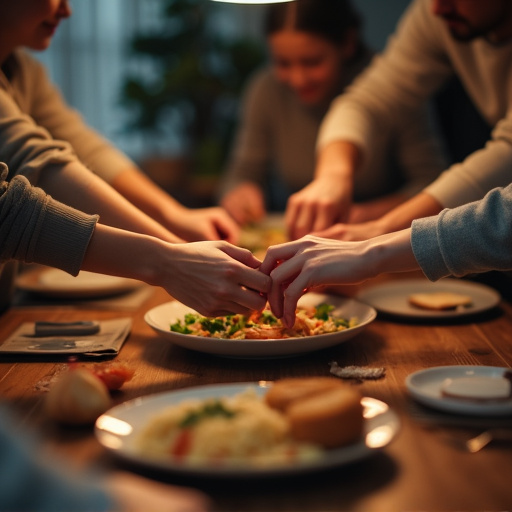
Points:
x=469 y=239
x=47 y=145
x=35 y=228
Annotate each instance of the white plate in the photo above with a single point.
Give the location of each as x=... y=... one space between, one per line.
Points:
x=118 y=429
x=161 y=317
x=425 y=386
x=392 y=298
x=54 y=282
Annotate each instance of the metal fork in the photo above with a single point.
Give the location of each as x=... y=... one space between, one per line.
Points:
x=475 y=444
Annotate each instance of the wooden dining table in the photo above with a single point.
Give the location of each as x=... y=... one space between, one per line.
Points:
x=426 y=466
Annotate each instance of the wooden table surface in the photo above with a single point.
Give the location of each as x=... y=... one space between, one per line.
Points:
x=424 y=468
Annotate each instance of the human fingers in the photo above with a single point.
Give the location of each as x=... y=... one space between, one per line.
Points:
x=224 y=227
x=290 y=216
x=282 y=276
x=336 y=231
x=240 y=254
x=278 y=253
x=325 y=216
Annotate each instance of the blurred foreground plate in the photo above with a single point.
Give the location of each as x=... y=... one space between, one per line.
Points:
x=118 y=429
x=161 y=317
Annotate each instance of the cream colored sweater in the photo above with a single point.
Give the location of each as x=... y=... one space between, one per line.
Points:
x=419 y=58
x=37 y=127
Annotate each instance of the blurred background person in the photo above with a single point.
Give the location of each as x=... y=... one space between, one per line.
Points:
x=316 y=50
x=434 y=41
x=35 y=228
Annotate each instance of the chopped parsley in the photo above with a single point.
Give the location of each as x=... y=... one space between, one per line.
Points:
x=209 y=410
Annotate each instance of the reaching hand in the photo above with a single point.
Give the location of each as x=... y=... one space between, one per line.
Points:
x=215 y=278
x=245 y=203
x=318 y=206
x=299 y=266
x=352 y=232
x=199 y=224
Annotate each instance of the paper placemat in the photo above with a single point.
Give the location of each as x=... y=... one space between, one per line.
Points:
x=108 y=341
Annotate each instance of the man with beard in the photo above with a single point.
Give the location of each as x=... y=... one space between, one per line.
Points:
x=435 y=41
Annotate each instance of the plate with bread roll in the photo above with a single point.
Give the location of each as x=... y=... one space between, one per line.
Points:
x=251 y=429
x=323 y=321
x=421 y=298
x=469 y=390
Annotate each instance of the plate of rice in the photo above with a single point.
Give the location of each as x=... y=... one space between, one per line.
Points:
x=237 y=436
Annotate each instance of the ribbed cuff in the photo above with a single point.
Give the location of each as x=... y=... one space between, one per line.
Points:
x=63 y=237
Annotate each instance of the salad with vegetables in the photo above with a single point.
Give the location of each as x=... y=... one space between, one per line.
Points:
x=263 y=324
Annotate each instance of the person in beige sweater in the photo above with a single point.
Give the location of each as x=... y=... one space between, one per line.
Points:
x=57 y=224
x=29 y=100
x=435 y=40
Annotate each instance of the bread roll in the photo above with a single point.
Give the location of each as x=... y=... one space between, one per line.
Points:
x=286 y=391
x=439 y=300
x=332 y=418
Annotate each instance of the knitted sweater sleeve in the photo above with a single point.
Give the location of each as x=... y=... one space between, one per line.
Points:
x=473 y=238
x=251 y=152
x=49 y=110
x=35 y=228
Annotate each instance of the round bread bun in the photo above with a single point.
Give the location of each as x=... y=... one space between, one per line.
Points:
x=286 y=391
x=439 y=300
x=331 y=419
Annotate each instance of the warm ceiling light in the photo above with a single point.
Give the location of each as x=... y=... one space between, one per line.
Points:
x=253 y=1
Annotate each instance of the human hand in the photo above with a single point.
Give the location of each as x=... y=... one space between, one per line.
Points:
x=352 y=232
x=245 y=203
x=318 y=206
x=215 y=278
x=199 y=224
x=310 y=262
x=132 y=494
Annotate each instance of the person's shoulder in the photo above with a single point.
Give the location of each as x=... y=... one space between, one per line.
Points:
x=24 y=59
x=263 y=87
x=263 y=80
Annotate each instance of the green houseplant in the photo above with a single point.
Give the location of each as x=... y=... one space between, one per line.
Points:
x=196 y=78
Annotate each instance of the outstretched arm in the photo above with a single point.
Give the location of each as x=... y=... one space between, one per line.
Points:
x=299 y=266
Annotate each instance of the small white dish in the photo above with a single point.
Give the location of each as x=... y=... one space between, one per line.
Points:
x=392 y=298
x=161 y=317
x=426 y=386
x=118 y=429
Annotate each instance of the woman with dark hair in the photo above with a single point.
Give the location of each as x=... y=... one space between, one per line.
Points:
x=316 y=51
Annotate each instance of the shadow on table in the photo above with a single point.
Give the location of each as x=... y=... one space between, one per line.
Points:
x=326 y=490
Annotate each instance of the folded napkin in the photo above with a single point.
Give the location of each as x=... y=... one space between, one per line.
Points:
x=106 y=339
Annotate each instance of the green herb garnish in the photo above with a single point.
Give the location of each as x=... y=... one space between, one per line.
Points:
x=209 y=410
x=322 y=311
x=268 y=318
x=178 y=327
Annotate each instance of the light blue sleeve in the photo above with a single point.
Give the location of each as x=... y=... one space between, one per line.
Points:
x=473 y=238
x=30 y=482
